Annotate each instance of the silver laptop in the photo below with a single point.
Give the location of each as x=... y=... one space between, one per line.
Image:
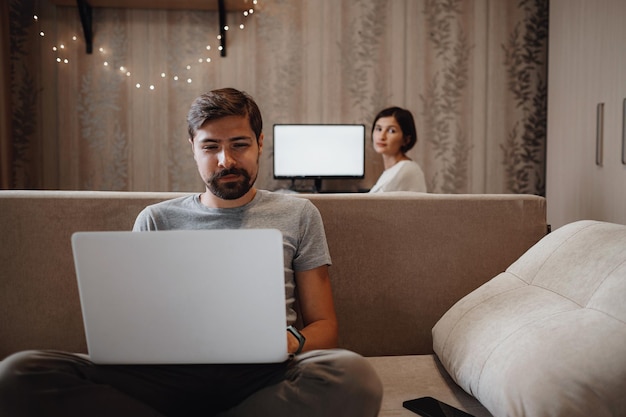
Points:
x=174 y=297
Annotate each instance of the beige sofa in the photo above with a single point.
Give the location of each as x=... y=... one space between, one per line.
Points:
x=400 y=261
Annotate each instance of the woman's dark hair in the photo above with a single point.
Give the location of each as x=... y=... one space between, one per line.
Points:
x=406 y=122
x=222 y=103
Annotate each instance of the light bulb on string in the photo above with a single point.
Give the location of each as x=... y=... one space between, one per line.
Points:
x=124 y=69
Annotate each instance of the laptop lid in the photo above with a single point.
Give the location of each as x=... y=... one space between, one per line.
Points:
x=182 y=296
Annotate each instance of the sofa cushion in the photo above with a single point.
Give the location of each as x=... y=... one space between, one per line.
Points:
x=413 y=376
x=547 y=337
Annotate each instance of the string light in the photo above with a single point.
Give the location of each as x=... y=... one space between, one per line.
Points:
x=61 y=48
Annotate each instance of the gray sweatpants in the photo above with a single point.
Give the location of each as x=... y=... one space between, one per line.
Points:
x=318 y=383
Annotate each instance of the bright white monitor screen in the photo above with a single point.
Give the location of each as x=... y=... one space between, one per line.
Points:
x=319 y=151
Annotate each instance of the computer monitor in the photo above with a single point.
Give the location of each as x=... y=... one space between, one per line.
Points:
x=319 y=151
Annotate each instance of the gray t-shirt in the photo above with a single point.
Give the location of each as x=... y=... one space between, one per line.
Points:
x=304 y=239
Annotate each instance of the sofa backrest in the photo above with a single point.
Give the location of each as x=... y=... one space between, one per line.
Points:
x=400 y=260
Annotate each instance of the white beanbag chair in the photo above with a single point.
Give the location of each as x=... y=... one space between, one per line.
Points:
x=548 y=336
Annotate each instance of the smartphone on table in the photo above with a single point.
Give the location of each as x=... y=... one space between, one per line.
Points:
x=431 y=407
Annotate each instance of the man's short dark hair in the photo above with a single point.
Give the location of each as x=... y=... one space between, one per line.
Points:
x=220 y=103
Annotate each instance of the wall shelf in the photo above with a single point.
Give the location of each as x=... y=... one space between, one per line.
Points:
x=85 y=8
x=230 y=5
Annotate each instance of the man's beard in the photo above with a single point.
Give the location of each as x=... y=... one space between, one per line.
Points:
x=230 y=190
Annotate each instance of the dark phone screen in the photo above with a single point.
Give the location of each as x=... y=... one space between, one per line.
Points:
x=430 y=407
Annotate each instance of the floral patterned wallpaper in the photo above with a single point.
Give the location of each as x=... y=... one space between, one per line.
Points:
x=473 y=72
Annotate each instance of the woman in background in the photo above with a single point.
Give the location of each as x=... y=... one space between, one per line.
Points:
x=393 y=134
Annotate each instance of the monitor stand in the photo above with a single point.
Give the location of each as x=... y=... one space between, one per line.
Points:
x=317 y=188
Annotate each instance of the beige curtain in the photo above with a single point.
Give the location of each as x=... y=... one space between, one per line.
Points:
x=472 y=72
x=5 y=99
